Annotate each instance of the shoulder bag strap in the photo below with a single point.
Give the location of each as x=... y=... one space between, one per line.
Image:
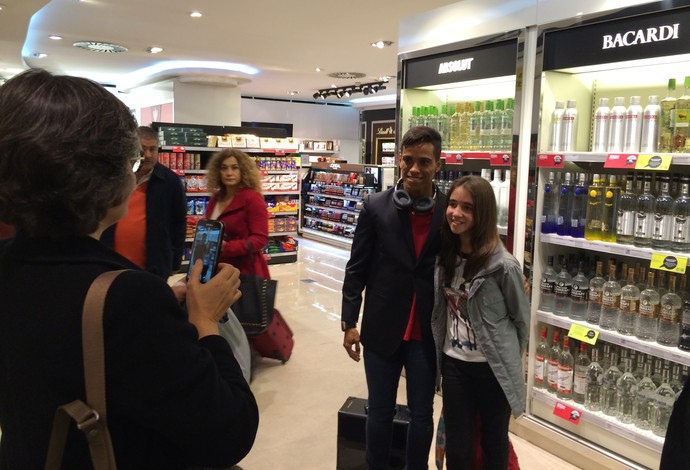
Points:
x=90 y=418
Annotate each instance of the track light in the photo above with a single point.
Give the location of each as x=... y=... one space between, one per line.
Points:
x=347 y=91
x=317 y=95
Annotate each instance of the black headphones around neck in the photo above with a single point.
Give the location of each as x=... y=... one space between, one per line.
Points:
x=404 y=202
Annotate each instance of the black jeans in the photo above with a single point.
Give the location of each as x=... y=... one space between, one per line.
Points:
x=470 y=390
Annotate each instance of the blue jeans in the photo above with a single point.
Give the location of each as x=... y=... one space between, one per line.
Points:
x=383 y=375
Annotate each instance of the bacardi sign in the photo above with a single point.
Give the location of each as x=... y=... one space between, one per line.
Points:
x=641 y=36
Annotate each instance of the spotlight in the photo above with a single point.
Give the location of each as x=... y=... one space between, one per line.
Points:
x=339 y=93
x=366 y=90
x=347 y=93
x=316 y=95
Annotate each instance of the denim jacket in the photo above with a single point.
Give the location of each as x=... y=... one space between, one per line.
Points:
x=500 y=314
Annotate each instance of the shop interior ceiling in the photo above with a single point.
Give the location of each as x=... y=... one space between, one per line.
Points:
x=285 y=41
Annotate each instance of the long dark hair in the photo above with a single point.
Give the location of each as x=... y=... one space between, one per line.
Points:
x=484 y=236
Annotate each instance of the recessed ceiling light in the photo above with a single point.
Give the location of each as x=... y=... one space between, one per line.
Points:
x=382 y=44
x=293 y=93
x=55 y=37
x=385 y=78
x=196 y=14
x=97 y=46
x=39 y=55
x=333 y=85
x=2 y=7
x=154 y=50
x=318 y=69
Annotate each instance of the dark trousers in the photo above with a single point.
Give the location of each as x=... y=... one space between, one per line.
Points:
x=470 y=389
x=383 y=375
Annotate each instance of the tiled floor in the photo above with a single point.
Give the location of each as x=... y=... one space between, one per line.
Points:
x=299 y=401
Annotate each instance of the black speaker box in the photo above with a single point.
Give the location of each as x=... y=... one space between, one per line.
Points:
x=351 y=435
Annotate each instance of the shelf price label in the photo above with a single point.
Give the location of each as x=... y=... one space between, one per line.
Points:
x=453 y=157
x=179 y=149
x=583 y=333
x=550 y=160
x=653 y=162
x=567 y=413
x=621 y=160
x=499 y=159
x=671 y=263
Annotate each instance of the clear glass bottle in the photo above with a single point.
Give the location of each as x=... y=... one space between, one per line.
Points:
x=579 y=294
x=626 y=387
x=681 y=120
x=602 y=115
x=504 y=200
x=641 y=278
x=595 y=377
x=565 y=203
x=549 y=214
x=657 y=366
x=663 y=404
x=443 y=127
x=596 y=285
x=496 y=186
x=564 y=283
x=485 y=120
x=609 y=390
x=566 y=363
x=671 y=306
x=578 y=213
x=541 y=354
x=556 y=135
x=552 y=362
x=648 y=312
x=609 y=215
x=474 y=126
x=630 y=300
x=627 y=210
x=681 y=218
x=676 y=382
x=684 y=342
x=645 y=395
x=465 y=124
x=610 y=301
x=662 y=233
x=507 y=126
x=582 y=363
x=595 y=208
x=547 y=286
x=455 y=112
x=496 y=141
x=644 y=222
x=665 y=113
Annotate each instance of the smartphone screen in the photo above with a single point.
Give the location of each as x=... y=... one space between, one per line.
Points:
x=208 y=238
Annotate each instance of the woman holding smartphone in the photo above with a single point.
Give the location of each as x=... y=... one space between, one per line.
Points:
x=239 y=204
x=481 y=327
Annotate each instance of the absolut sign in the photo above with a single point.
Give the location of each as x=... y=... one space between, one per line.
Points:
x=641 y=36
x=455 y=65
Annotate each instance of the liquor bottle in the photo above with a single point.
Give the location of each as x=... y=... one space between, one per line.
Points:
x=627 y=209
x=641 y=278
x=630 y=299
x=552 y=362
x=595 y=209
x=684 y=342
x=610 y=212
x=681 y=218
x=610 y=301
x=578 y=213
x=676 y=382
x=596 y=285
x=496 y=186
x=661 y=283
x=605 y=359
x=566 y=362
x=455 y=111
x=540 y=360
x=486 y=174
x=550 y=206
x=507 y=126
x=626 y=387
x=664 y=399
x=649 y=141
x=556 y=136
x=600 y=138
x=657 y=366
x=617 y=125
x=670 y=312
x=681 y=120
x=582 y=363
x=644 y=221
x=633 y=126
x=595 y=376
x=443 y=126
x=485 y=119
x=665 y=116
x=504 y=200
x=565 y=202
x=639 y=361
x=564 y=283
x=648 y=312
x=579 y=294
x=662 y=231
x=675 y=185
x=569 y=128
x=474 y=126
x=547 y=287
x=496 y=123
x=609 y=390
x=643 y=406
x=464 y=123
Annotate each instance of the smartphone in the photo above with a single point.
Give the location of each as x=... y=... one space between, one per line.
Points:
x=208 y=238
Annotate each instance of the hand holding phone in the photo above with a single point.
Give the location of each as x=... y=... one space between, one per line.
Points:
x=208 y=239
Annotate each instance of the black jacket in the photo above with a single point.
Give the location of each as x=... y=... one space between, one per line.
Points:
x=166 y=222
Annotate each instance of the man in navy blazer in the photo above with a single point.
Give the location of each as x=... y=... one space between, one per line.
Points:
x=392 y=259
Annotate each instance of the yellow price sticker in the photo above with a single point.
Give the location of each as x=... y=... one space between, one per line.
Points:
x=583 y=333
x=674 y=264
x=653 y=162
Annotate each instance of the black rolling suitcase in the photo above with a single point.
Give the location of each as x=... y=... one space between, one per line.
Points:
x=351 y=430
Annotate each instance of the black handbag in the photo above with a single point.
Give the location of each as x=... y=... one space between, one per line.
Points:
x=254 y=309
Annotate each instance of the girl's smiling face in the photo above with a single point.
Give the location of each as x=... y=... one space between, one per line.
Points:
x=460 y=213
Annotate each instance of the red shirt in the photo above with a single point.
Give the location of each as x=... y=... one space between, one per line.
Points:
x=421 y=223
x=130 y=233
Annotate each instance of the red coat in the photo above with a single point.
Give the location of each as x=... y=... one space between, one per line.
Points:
x=246 y=218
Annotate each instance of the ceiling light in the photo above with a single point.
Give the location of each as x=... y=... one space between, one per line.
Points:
x=2 y=7
x=97 y=46
x=366 y=90
x=339 y=93
x=347 y=93
x=54 y=37
x=317 y=95
x=39 y=55
x=154 y=50
x=318 y=69
x=382 y=44
x=196 y=14
x=293 y=93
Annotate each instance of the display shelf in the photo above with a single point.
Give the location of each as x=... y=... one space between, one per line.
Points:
x=682 y=159
x=184 y=148
x=275 y=214
x=502 y=230
x=606 y=247
x=334 y=222
x=332 y=208
x=198 y=194
x=194 y=172
x=282 y=234
x=320 y=235
x=281 y=193
x=333 y=196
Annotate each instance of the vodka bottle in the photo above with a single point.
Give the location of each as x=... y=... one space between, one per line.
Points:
x=657 y=366
x=675 y=185
x=496 y=123
x=547 y=287
x=600 y=138
x=617 y=125
x=610 y=301
x=665 y=116
x=443 y=126
x=550 y=206
x=670 y=313
x=564 y=283
x=569 y=128
x=496 y=186
x=609 y=390
x=684 y=342
x=638 y=364
x=455 y=111
x=681 y=218
x=663 y=404
x=540 y=360
x=648 y=312
x=485 y=119
x=627 y=209
x=464 y=138
x=630 y=300
x=633 y=126
x=475 y=127
x=605 y=359
x=486 y=174
x=662 y=231
x=556 y=136
x=681 y=120
x=595 y=209
x=644 y=221
x=645 y=395
x=641 y=278
x=595 y=377
x=623 y=278
x=566 y=363
x=649 y=141
x=565 y=203
x=626 y=387
x=610 y=212
x=579 y=294
x=676 y=382
x=596 y=285
x=504 y=200
x=578 y=213
x=507 y=125
x=661 y=283
x=552 y=362
x=582 y=363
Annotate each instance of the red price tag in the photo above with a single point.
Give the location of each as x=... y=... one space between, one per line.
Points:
x=621 y=160
x=499 y=159
x=550 y=160
x=179 y=149
x=454 y=158
x=280 y=152
x=569 y=414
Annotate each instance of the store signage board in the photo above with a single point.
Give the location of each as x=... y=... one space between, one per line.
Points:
x=550 y=160
x=661 y=34
x=475 y=63
x=623 y=161
x=567 y=413
x=499 y=159
x=583 y=333
x=671 y=263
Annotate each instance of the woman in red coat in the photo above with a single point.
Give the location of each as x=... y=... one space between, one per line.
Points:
x=237 y=202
